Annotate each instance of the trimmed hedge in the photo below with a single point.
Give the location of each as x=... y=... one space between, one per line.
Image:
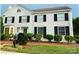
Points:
x=38 y=37
x=49 y=37
x=57 y=38
x=29 y=36
x=69 y=39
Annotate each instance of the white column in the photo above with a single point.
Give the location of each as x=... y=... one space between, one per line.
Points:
x=71 y=23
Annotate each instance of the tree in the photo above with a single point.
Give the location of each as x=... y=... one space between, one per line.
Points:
x=1 y=25
x=76 y=26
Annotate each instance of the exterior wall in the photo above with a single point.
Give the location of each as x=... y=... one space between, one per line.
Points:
x=49 y=24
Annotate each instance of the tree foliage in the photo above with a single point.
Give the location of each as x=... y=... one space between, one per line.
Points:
x=1 y=25
x=76 y=26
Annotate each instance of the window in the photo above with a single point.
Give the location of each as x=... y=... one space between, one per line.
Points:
x=66 y=17
x=39 y=18
x=24 y=19
x=9 y=19
x=61 y=30
x=40 y=30
x=60 y=17
x=18 y=10
x=67 y=30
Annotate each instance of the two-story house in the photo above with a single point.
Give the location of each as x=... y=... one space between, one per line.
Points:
x=55 y=21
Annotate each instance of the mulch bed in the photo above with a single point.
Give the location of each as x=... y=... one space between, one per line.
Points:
x=43 y=43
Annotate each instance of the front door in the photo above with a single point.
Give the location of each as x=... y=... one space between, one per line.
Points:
x=6 y=30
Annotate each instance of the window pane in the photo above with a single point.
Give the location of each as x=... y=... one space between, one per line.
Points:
x=24 y=19
x=40 y=30
x=9 y=20
x=61 y=31
x=67 y=30
x=39 y=18
x=60 y=17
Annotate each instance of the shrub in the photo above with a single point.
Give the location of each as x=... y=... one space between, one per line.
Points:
x=76 y=39
x=38 y=37
x=22 y=39
x=57 y=38
x=49 y=37
x=69 y=39
x=29 y=36
x=10 y=35
x=3 y=36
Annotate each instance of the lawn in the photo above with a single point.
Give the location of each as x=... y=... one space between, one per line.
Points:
x=41 y=49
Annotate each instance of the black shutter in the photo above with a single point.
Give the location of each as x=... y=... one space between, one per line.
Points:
x=28 y=18
x=12 y=19
x=44 y=18
x=35 y=30
x=5 y=19
x=67 y=30
x=44 y=30
x=55 y=17
x=56 y=30
x=35 y=18
x=66 y=17
x=20 y=19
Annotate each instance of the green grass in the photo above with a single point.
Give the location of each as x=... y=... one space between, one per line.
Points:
x=40 y=49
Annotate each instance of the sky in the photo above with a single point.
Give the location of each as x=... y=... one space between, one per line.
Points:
x=75 y=7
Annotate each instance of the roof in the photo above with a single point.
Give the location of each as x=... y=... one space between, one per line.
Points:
x=52 y=9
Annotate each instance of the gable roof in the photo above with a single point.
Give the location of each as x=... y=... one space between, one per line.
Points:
x=15 y=5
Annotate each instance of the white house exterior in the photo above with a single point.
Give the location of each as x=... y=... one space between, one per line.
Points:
x=55 y=21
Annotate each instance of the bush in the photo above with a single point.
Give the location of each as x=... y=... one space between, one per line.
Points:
x=22 y=39
x=9 y=36
x=3 y=36
x=38 y=37
x=29 y=36
x=49 y=37
x=76 y=39
x=69 y=39
x=57 y=38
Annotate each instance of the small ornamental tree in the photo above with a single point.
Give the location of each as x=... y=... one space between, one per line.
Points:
x=22 y=39
x=49 y=37
x=69 y=39
x=38 y=37
x=57 y=38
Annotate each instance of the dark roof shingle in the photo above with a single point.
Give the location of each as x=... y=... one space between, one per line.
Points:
x=51 y=9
